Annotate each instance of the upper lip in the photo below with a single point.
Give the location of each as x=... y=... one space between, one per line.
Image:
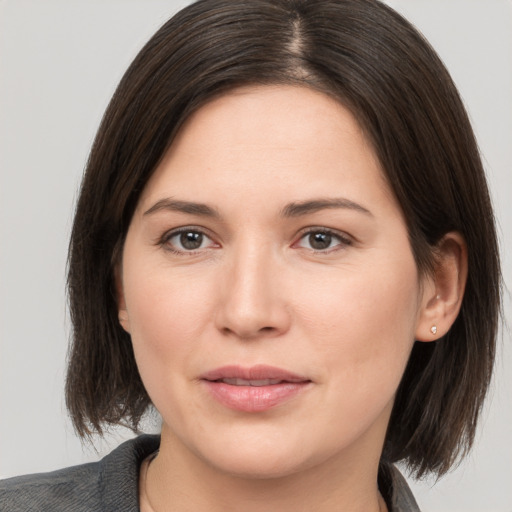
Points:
x=256 y=373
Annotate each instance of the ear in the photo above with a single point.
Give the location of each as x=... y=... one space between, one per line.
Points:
x=124 y=319
x=444 y=290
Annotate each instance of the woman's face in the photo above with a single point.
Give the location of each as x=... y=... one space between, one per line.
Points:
x=269 y=287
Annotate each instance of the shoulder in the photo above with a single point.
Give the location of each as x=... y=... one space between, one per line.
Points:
x=58 y=490
x=107 y=485
x=395 y=490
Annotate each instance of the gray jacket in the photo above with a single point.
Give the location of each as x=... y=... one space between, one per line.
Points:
x=111 y=485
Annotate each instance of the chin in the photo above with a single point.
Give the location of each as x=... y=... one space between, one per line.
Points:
x=260 y=459
x=259 y=467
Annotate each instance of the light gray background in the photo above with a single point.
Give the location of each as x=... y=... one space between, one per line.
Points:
x=60 y=61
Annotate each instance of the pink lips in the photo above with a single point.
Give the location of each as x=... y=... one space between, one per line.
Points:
x=253 y=389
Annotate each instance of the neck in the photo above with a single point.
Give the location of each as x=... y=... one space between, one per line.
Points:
x=179 y=481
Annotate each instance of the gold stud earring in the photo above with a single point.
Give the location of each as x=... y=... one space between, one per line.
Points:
x=433 y=329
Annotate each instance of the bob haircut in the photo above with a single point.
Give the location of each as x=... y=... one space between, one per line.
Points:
x=378 y=66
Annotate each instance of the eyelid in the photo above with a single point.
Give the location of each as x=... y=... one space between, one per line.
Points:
x=167 y=235
x=163 y=241
x=344 y=238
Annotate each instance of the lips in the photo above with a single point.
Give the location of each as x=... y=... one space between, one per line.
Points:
x=253 y=389
x=245 y=382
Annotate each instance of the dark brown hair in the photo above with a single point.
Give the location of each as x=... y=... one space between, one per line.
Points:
x=377 y=65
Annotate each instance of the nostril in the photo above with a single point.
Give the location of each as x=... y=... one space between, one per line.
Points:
x=248 y=333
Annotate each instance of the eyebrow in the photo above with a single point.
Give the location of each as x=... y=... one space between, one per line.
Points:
x=297 y=209
x=189 y=207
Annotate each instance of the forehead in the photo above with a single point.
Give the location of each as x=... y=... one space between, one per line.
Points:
x=269 y=138
x=285 y=115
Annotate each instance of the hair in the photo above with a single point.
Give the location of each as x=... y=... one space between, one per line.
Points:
x=376 y=64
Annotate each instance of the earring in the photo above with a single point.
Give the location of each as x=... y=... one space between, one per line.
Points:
x=433 y=329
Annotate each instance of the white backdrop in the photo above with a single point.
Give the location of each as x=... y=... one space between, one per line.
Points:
x=60 y=61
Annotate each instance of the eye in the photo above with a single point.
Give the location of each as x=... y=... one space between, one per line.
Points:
x=187 y=240
x=322 y=240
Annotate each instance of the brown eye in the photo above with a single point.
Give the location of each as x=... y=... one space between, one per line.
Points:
x=187 y=240
x=191 y=240
x=323 y=240
x=319 y=241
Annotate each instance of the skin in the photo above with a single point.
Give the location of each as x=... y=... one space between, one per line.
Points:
x=257 y=292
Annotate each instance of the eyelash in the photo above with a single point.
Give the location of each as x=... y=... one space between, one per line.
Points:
x=343 y=240
x=164 y=240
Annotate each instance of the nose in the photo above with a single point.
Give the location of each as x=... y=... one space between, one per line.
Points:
x=253 y=302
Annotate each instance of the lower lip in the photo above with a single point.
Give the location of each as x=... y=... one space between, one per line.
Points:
x=254 y=398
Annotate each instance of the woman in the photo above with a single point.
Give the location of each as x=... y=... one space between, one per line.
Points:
x=284 y=243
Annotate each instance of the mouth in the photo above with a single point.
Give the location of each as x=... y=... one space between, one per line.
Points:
x=255 y=389
x=245 y=382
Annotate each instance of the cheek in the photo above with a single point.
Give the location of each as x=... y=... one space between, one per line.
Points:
x=167 y=317
x=363 y=323
x=361 y=332
x=167 y=312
